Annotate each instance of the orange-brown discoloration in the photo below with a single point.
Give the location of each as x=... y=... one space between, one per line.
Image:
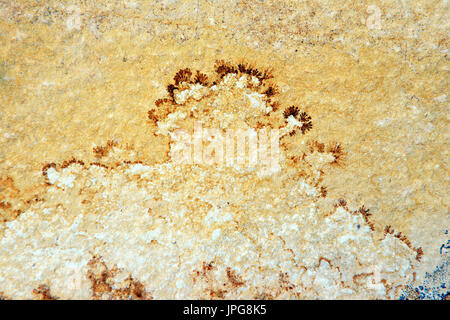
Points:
x=42 y=292
x=102 y=151
x=103 y=287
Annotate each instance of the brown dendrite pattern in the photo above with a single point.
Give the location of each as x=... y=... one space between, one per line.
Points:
x=193 y=95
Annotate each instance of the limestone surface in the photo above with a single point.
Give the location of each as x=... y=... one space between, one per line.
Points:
x=101 y=100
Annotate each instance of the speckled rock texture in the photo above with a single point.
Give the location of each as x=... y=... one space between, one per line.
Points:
x=353 y=203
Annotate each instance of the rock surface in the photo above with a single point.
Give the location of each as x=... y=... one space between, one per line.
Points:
x=94 y=98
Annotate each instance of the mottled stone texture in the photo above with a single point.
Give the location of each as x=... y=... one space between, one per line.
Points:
x=92 y=93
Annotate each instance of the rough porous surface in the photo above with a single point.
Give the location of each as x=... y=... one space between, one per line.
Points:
x=93 y=205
